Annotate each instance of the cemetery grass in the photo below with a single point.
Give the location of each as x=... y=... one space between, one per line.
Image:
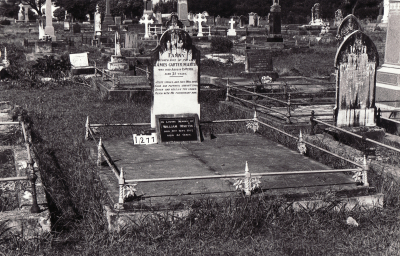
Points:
x=235 y=226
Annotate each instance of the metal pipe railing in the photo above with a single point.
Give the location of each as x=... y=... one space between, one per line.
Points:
x=223 y=176
x=257 y=94
x=258 y=105
x=356 y=135
x=391 y=120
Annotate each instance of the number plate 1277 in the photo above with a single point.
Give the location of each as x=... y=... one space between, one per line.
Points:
x=144 y=139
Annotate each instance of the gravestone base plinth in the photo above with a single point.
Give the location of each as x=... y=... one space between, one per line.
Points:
x=117 y=63
x=374 y=133
x=76 y=71
x=388 y=86
x=274 y=75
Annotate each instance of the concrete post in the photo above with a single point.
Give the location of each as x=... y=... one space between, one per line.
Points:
x=99 y=153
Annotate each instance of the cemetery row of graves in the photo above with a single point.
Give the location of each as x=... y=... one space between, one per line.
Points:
x=179 y=135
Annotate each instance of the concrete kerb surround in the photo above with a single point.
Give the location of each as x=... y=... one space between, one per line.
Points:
x=117 y=219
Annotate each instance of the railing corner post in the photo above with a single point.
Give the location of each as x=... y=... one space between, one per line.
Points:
x=121 y=183
x=365 y=172
x=312 y=132
x=247 y=181
x=288 y=110
x=378 y=117
x=32 y=178
x=87 y=127
x=99 y=153
x=227 y=93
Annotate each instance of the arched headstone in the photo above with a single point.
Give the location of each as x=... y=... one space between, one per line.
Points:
x=175 y=85
x=347 y=26
x=356 y=62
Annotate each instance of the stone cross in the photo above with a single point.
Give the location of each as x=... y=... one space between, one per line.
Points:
x=199 y=20
x=49 y=29
x=21 y=12
x=231 y=22
x=146 y=23
x=117 y=44
x=231 y=31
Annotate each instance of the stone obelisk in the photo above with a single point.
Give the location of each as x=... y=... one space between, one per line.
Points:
x=108 y=19
x=49 y=29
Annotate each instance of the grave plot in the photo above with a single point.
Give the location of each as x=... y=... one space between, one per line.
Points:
x=177 y=157
x=288 y=100
x=22 y=197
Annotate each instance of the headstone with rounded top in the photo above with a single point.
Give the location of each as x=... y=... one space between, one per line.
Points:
x=175 y=108
x=356 y=62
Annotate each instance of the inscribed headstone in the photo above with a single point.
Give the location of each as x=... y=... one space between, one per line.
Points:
x=356 y=62
x=182 y=10
x=76 y=28
x=258 y=61
x=348 y=25
x=131 y=40
x=175 y=76
x=117 y=20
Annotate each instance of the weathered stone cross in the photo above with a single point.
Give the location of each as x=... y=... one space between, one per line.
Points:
x=232 y=22
x=146 y=23
x=199 y=20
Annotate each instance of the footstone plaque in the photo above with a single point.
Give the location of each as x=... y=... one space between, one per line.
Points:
x=175 y=76
x=180 y=128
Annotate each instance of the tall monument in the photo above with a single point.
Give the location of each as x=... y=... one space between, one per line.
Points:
x=388 y=76
x=49 y=29
x=108 y=19
x=148 y=7
x=183 y=12
x=386 y=7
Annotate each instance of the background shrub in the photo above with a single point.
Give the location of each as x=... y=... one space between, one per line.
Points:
x=221 y=44
x=5 y=22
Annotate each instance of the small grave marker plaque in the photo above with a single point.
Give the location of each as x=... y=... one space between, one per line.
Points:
x=184 y=128
x=79 y=59
x=139 y=139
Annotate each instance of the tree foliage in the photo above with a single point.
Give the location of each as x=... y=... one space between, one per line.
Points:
x=292 y=10
x=79 y=8
x=35 y=5
x=165 y=7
